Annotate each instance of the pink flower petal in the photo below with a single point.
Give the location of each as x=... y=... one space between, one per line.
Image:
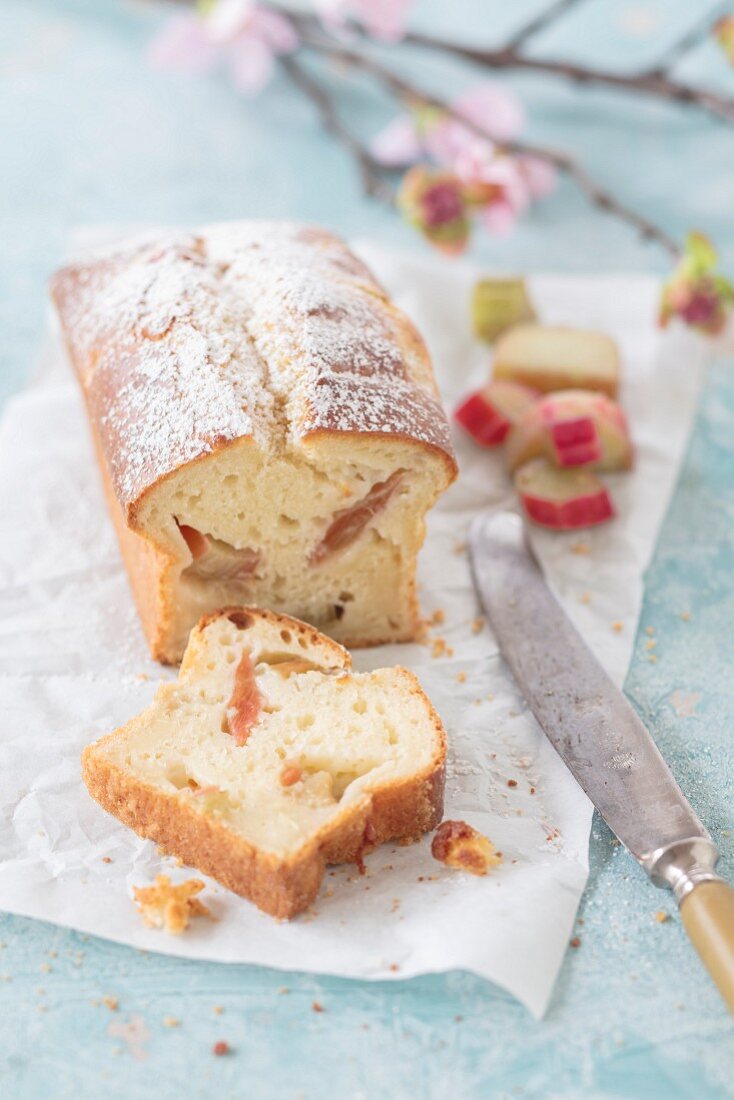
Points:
x=182 y=44
x=540 y=176
x=397 y=144
x=448 y=141
x=383 y=19
x=492 y=106
x=498 y=218
x=273 y=29
x=227 y=19
x=250 y=64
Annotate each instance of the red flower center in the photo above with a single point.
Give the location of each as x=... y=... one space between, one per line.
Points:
x=441 y=204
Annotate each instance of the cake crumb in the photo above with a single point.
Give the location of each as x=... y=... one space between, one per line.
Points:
x=461 y=677
x=685 y=616
x=477 y=626
x=438 y=617
x=393 y=967
x=511 y=782
x=218 y=1010
x=317 y=1007
x=586 y=597
x=170 y=907
x=171 y=1021
x=106 y=859
x=652 y=657
x=112 y=1003
x=618 y=626
x=576 y=941
x=441 y=649
x=580 y=548
x=458 y=845
x=651 y=643
x=46 y=968
x=650 y=630
x=221 y=1048
x=661 y=916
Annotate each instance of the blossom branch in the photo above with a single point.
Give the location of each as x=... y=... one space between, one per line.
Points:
x=545 y=18
x=370 y=169
x=696 y=34
x=654 y=81
x=410 y=95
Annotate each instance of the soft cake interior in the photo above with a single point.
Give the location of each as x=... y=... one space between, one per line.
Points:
x=328 y=533
x=342 y=733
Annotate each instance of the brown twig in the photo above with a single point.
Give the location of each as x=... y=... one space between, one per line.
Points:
x=696 y=34
x=544 y=18
x=654 y=81
x=408 y=94
x=370 y=169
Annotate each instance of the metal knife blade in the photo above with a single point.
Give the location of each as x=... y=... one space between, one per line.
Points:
x=587 y=719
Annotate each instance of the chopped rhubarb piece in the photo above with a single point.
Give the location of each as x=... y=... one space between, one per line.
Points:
x=497 y=305
x=562 y=499
x=217 y=560
x=245 y=704
x=572 y=428
x=488 y=414
x=349 y=523
x=550 y=357
x=197 y=543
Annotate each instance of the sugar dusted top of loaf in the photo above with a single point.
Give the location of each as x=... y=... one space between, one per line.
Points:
x=271 y=331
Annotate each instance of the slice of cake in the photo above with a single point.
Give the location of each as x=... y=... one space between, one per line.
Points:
x=269 y=758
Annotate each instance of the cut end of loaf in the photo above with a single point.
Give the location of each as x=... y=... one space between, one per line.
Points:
x=269 y=758
x=268 y=426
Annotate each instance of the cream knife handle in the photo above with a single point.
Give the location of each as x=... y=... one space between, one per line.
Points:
x=706 y=903
x=707 y=912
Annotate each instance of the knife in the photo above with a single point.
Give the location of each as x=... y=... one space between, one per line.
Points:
x=601 y=739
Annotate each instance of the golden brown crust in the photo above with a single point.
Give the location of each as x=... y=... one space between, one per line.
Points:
x=281 y=886
x=136 y=320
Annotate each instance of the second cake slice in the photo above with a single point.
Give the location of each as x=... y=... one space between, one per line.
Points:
x=268 y=759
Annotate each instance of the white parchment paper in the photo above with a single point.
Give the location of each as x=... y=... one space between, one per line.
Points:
x=73 y=666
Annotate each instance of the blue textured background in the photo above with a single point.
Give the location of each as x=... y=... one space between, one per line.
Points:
x=89 y=134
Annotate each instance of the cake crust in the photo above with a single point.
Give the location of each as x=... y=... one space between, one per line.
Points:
x=402 y=807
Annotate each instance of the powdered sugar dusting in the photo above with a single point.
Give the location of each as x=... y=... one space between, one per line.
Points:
x=266 y=330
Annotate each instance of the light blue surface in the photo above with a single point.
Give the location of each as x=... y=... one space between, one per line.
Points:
x=90 y=135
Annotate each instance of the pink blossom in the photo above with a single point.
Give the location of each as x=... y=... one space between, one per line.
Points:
x=494 y=108
x=397 y=145
x=383 y=19
x=539 y=175
x=238 y=34
x=183 y=44
x=498 y=218
x=250 y=64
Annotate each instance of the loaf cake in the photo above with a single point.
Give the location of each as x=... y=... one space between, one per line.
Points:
x=269 y=758
x=267 y=425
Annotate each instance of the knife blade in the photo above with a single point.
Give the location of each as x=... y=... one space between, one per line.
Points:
x=601 y=738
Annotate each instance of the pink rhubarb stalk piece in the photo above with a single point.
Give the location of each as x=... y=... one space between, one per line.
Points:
x=488 y=414
x=245 y=704
x=572 y=428
x=563 y=500
x=217 y=560
x=349 y=523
